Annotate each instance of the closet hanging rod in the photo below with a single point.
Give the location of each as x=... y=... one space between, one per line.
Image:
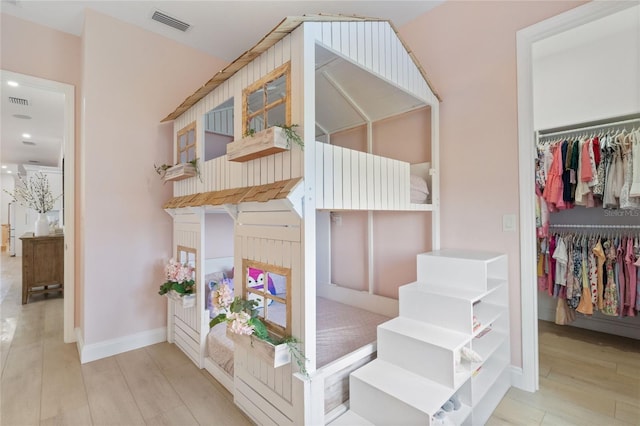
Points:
x=595 y=226
x=551 y=132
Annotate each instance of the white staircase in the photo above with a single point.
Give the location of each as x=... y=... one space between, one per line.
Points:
x=460 y=300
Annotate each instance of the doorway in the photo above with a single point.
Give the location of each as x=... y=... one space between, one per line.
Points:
x=67 y=154
x=526 y=144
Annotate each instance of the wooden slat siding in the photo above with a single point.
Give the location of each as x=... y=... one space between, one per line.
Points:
x=337 y=177
x=346 y=179
x=384 y=183
x=377 y=183
x=362 y=177
x=335 y=36
x=375 y=47
x=264 y=170
x=360 y=42
x=326 y=33
x=319 y=147
x=353 y=41
x=355 y=180
x=328 y=175
x=367 y=45
x=396 y=189
x=405 y=172
x=370 y=183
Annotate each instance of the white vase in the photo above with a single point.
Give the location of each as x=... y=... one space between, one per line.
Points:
x=42 y=225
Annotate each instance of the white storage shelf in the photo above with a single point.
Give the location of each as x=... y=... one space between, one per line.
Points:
x=419 y=365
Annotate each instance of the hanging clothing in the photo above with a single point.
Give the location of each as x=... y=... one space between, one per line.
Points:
x=591 y=273
x=590 y=170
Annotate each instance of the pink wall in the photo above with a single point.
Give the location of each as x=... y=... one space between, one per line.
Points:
x=406 y=137
x=218 y=235
x=468 y=49
x=131 y=80
x=39 y=51
x=349 y=251
x=397 y=236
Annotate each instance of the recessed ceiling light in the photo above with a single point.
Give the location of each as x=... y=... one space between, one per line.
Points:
x=26 y=135
x=4 y=167
x=22 y=116
x=8 y=171
x=12 y=83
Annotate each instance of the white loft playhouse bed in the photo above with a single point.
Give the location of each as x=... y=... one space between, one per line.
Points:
x=342 y=73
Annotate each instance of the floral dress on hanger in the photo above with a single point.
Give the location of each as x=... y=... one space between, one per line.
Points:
x=610 y=297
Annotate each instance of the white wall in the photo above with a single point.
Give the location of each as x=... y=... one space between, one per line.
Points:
x=6 y=184
x=589 y=73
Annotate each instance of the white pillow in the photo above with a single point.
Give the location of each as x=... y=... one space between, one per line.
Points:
x=419 y=190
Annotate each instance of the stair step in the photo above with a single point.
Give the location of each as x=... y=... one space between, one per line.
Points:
x=386 y=394
x=349 y=418
x=423 y=349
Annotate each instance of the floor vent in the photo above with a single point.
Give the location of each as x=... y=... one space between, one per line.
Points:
x=18 y=101
x=163 y=18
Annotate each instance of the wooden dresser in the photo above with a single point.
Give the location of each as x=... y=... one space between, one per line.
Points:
x=42 y=265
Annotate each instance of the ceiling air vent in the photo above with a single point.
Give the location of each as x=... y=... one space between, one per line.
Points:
x=18 y=101
x=29 y=143
x=163 y=18
x=34 y=162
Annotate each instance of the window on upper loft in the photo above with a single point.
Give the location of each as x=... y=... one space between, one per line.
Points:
x=218 y=130
x=187 y=144
x=267 y=102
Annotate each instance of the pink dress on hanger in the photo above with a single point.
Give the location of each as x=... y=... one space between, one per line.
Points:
x=553 y=190
x=631 y=293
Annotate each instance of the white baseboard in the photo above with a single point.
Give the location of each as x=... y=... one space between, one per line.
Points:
x=517 y=378
x=79 y=340
x=99 y=350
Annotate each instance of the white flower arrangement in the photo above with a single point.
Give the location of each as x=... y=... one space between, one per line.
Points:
x=34 y=193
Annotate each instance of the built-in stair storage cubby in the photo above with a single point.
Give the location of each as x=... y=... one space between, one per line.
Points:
x=445 y=358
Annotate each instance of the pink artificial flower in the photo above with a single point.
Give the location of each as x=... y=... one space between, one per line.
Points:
x=240 y=323
x=222 y=297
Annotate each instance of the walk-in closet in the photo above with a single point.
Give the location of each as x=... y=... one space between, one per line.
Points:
x=587 y=156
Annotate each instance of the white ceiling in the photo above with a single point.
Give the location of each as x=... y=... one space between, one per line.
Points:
x=224 y=29
x=42 y=118
x=627 y=20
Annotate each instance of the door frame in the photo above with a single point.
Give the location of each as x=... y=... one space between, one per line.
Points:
x=69 y=190
x=525 y=39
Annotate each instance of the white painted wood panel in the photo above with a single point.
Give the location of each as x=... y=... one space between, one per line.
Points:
x=352 y=180
x=384 y=183
x=223 y=174
x=346 y=179
x=319 y=174
x=337 y=177
x=355 y=180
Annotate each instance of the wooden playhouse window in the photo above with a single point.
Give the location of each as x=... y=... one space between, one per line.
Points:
x=267 y=102
x=186 y=255
x=186 y=144
x=270 y=285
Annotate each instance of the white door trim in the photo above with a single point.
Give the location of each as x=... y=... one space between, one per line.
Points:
x=526 y=155
x=69 y=190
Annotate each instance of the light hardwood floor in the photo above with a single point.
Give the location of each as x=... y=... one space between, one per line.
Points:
x=43 y=382
x=586 y=378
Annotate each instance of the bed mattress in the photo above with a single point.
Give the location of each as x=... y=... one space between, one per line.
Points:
x=341 y=329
